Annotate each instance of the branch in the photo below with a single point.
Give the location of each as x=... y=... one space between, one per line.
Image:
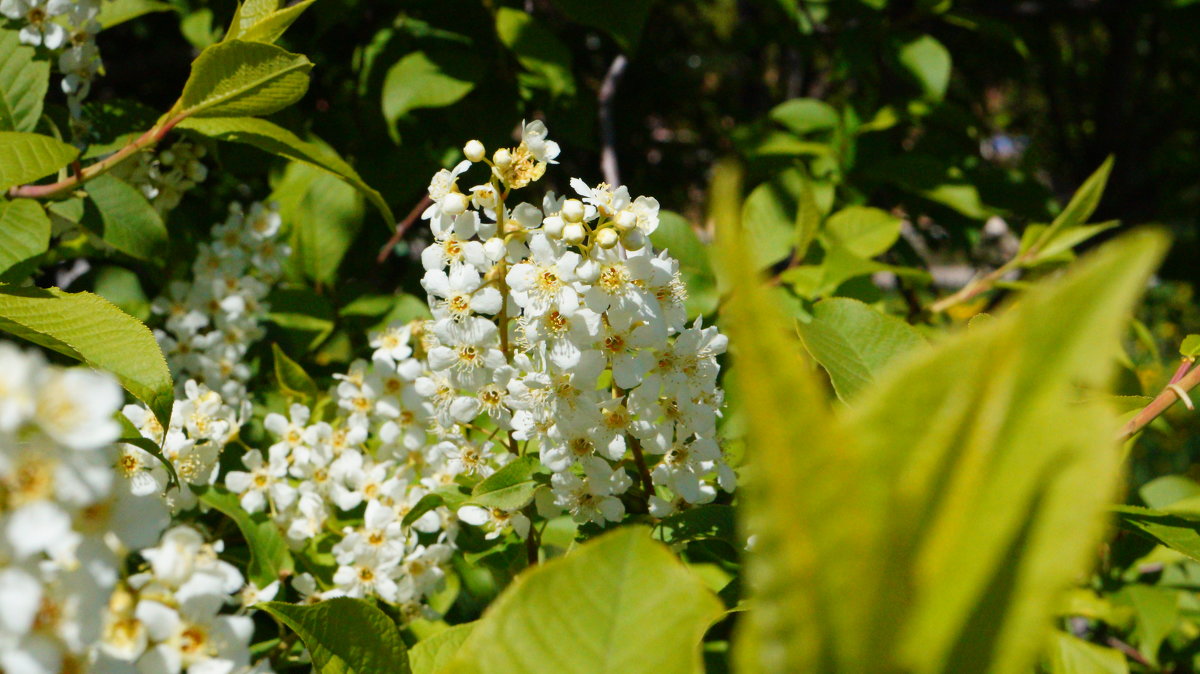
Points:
x=1176 y=390
x=64 y=187
x=608 y=131
x=402 y=227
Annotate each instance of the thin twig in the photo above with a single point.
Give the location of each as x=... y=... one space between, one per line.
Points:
x=643 y=472
x=81 y=176
x=608 y=131
x=1128 y=650
x=1161 y=403
x=402 y=227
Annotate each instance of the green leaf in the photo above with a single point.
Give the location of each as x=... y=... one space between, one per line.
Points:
x=249 y=13
x=510 y=488
x=623 y=20
x=24 y=231
x=770 y=215
x=325 y=214
x=23 y=83
x=1066 y=240
x=268 y=27
x=292 y=378
x=808 y=218
x=125 y=220
x=854 y=342
x=537 y=49
x=430 y=655
x=116 y=12
x=425 y=504
x=619 y=603
x=25 y=157
x=1168 y=490
x=270 y=137
x=865 y=232
x=345 y=636
x=90 y=329
x=197 y=28
x=1083 y=203
x=709 y=521
x=1190 y=346
x=237 y=79
x=1181 y=534
x=805 y=115
x=416 y=81
x=1069 y=655
x=270 y=558
x=960 y=495
x=839 y=266
x=1157 y=611
x=928 y=61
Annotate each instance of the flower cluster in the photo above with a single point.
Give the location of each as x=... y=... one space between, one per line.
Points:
x=164 y=175
x=212 y=321
x=562 y=326
x=167 y=618
x=64 y=527
x=69 y=28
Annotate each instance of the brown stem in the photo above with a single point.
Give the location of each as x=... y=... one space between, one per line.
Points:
x=640 y=460
x=402 y=227
x=532 y=539
x=976 y=287
x=65 y=187
x=1160 y=404
x=1181 y=370
x=608 y=131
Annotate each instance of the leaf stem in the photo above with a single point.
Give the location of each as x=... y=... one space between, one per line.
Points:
x=64 y=187
x=1163 y=401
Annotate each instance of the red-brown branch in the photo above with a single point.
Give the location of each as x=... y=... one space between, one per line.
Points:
x=402 y=227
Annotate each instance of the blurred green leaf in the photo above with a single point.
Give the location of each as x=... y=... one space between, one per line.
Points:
x=116 y=12
x=416 y=81
x=24 y=231
x=855 y=343
x=623 y=20
x=510 y=488
x=291 y=377
x=325 y=214
x=928 y=61
x=604 y=605
x=24 y=81
x=1176 y=532
x=430 y=655
x=863 y=231
x=261 y=26
x=1190 y=346
x=537 y=50
x=345 y=636
x=238 y=79
x=1069 y=655
x=805 y=115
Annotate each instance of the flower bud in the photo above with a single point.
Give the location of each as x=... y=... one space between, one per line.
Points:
x=502 y=159
x=634 y=239
x=553 y=226
x=607 y=238
x=626 y=221
x=574 y=233
x=474 y=151
x=454 y=203
x=572 y=210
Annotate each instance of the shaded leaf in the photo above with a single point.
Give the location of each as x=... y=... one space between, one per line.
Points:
x=510 y=488
x=24 y=81
x=430 y=655
x=326 y=215
x=416 y=81
x=805 y=115
x=863 y=231
x=1069 y=655
x=623 y=20
x=928 y=61
x=345 y=636
x=270 y=558
x=24 y=231
x=537 y=49
x=292 y=378
x=25 y=157
x=123 y=219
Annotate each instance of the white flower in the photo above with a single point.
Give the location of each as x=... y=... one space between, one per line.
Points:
x=533 y=135
x=75 y=407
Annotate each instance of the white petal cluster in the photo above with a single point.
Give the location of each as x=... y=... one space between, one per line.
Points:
x=68 y=28
x=562 y=327
x=64 y=528
x=169 y=617
x=211 y=321
x=202 y=424
x=165 y=175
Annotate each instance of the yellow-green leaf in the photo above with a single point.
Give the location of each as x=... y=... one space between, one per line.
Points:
x=256 y=26
x=24 y=231
x=237 y=79
x=620 y=603
x=90 y=329
x=23 y=83
x=25 y=157
x=345 y=636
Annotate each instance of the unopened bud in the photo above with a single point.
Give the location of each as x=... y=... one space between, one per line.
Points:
x=574 y=233
x=553 y=226
x=634 y=239
x=454 y=203
x=607 y=238
x=474 y=151
x=626 y=221
x=502 y=159
x=572 y=210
